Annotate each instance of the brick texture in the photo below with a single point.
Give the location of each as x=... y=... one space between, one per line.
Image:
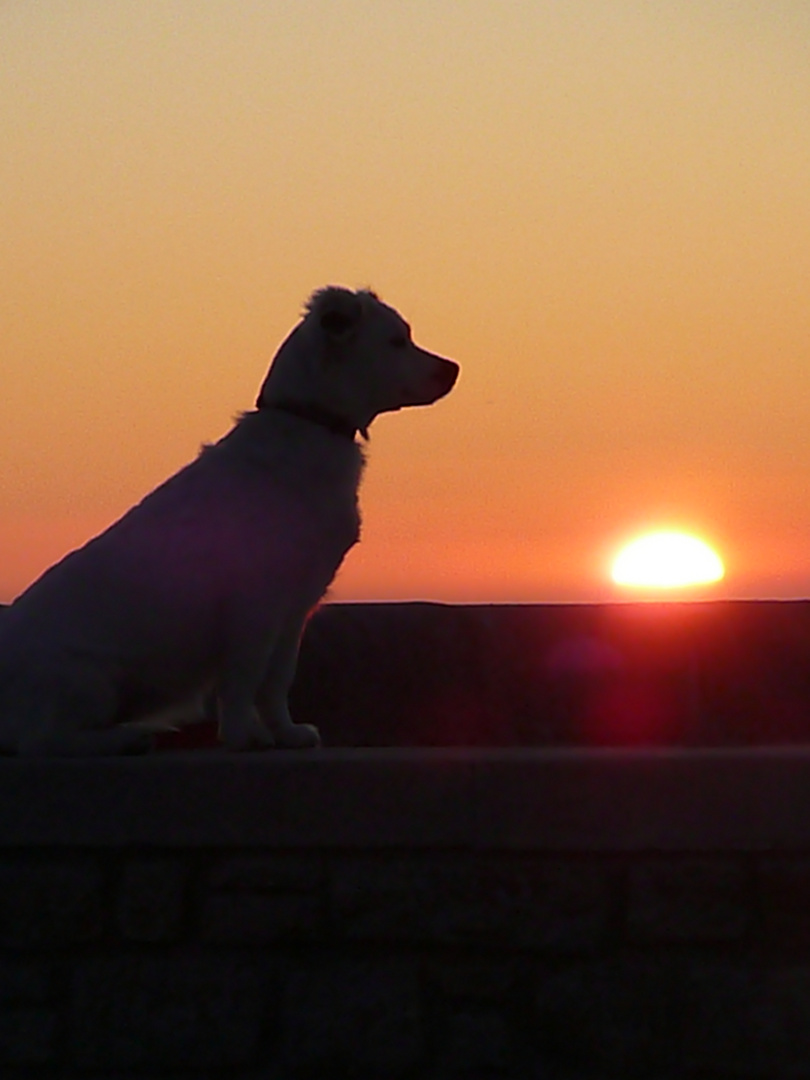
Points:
x=180 y=1011
x=523 y=903
x=49 y=903
x=150 y=902
x=390 y=959
x=689 y=900
x=357 y=1015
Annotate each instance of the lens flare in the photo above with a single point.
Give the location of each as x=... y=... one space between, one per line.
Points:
x=667 y=560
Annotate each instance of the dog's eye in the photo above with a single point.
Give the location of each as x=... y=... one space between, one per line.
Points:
x=399 y=341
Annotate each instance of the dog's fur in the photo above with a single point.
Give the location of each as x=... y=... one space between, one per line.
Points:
x=207 y=583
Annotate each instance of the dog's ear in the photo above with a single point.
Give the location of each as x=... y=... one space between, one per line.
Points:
x=339 y=312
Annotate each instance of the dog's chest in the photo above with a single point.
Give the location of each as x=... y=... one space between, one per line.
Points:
x=231 y=524
x=302 y=529
x=282 y=525
x=307 y=500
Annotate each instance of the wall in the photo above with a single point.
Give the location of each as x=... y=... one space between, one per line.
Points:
x=726 y=673
x=731 y=673
x=556 y=913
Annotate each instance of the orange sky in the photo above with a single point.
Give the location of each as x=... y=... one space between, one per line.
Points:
x=601 y=209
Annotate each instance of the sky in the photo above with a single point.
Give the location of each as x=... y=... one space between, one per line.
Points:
x=599 y=208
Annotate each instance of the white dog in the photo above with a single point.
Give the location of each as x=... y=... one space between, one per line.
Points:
x=206 y=585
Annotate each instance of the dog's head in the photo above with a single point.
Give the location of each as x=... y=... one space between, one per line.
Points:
x=352 y=356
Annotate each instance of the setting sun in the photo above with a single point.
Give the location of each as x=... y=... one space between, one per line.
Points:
x=667 y=559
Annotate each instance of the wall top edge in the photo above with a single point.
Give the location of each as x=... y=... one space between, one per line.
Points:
x=559 y=800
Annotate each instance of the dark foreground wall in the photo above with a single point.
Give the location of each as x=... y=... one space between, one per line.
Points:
x=565 y=914
x=678 y=674
x=727 y=673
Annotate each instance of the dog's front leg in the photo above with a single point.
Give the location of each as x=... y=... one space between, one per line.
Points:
x=272 y=696
x=249 y=646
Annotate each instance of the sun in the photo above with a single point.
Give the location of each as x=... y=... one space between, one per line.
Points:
x=667 y=560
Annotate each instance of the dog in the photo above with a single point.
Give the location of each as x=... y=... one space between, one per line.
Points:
x=205 y=586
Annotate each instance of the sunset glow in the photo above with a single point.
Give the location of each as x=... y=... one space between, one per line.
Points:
x=601 y=211
x=667 y=560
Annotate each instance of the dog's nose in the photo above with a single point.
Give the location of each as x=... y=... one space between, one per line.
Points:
x=446 y=374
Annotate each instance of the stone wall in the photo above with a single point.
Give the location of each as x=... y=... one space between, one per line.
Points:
x=565 y=914
x=726 y=673
x=731 y=673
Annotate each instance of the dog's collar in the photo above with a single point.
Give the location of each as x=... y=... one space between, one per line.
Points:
x=316 y=415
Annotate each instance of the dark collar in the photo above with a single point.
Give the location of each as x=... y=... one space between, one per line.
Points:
x=316 y=415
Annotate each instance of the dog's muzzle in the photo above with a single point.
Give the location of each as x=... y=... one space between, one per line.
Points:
x=445 y=376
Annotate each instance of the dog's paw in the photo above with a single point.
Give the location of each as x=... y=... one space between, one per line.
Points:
x=245 y=732
x=298 y=737
x=287 y=735
x=250 y=740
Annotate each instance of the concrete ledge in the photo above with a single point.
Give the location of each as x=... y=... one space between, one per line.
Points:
x=553 y=800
